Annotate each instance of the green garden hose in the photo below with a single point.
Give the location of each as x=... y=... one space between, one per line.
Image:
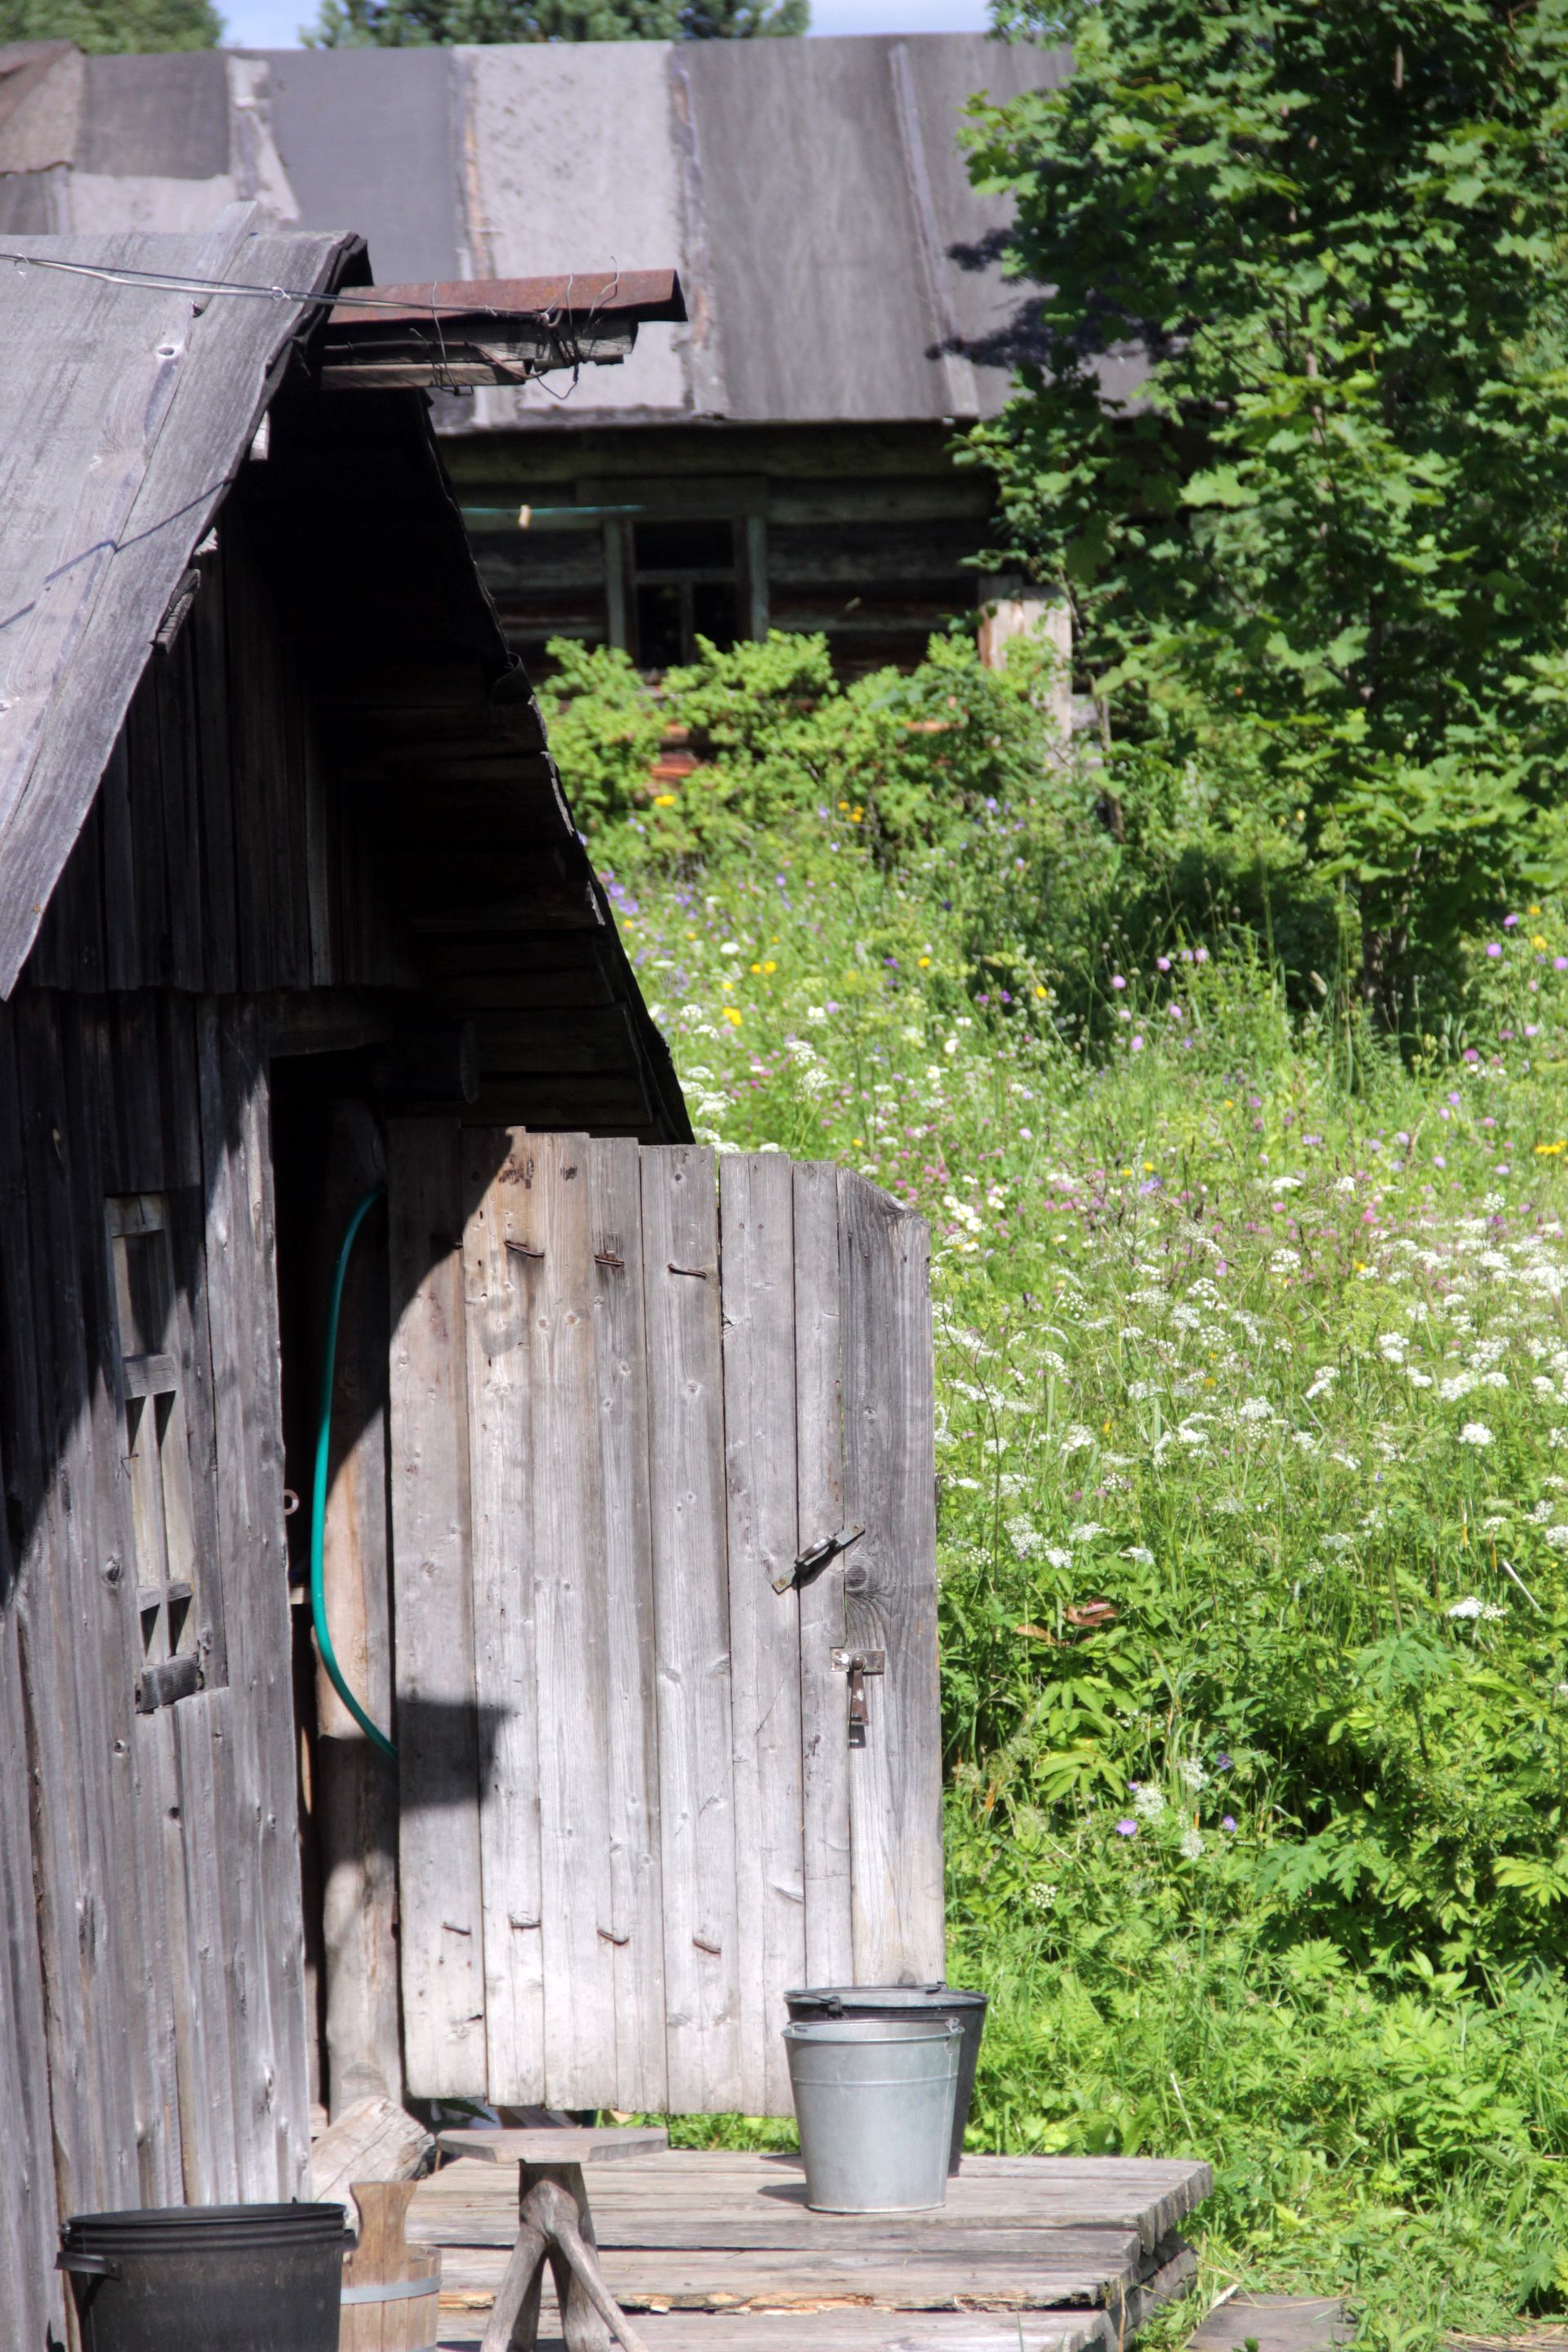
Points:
x=378 y=1739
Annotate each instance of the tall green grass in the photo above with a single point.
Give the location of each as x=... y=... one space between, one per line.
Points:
x=1253 y=1442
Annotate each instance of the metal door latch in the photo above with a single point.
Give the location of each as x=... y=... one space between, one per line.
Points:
x=858 y=1664
x=816 y=1557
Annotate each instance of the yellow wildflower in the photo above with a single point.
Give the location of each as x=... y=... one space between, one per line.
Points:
x=770 y=965
x=664 y=800
x=730 y=1014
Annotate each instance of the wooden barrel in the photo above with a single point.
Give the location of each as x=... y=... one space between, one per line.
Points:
x=392 y=2292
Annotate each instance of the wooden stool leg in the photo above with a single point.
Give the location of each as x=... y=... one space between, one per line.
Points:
x=581 y=2324
x=514 y=2319
x=556 y=2200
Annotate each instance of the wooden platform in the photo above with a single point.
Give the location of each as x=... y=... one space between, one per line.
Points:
x=720 y=2253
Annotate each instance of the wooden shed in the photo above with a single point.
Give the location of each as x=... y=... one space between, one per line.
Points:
x=292 y=910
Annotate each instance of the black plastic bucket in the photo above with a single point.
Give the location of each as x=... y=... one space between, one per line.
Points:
x=207 y=2278
x=897 y=2001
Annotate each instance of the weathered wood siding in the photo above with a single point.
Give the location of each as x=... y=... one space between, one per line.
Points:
x=218 y=856
x=159 y=1969
x=627 y=1390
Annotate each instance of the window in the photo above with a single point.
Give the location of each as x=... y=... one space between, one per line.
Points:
x=157 y=1459
x=686 y=578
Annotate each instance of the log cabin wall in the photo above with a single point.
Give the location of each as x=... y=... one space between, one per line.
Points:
x=641 y=536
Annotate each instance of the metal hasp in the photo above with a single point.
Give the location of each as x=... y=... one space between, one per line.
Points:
x=490 y=329
x=858 y=1664
x=816 y=1557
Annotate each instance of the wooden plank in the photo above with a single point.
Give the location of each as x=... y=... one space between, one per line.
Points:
x=551 y=1245
x=620 y=1357
x=685 y=1454
x=92 y=1914
x=896 y=2279
x=355 y=1787
x=100 y=1089
x=69 y=951
x=757 y=1241
x=442 y=1948
x=889 y=1585
x=1275 y=2323
x=697 y=2190
x=48 y=1695
x=149 y=872
x=207 y=629
x=555 y=2143
x=30 y=2303
x=820 y=1481
x=168 y=680
x=500 y=1469
x=196 y=1731
x=261 y=1887
x=122 y=916
x=832 y=2331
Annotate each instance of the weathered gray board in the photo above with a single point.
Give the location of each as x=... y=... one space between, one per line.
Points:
x=628 y=1388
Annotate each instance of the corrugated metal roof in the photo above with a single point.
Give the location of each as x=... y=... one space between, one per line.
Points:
x=836 y=262
x=125 y=410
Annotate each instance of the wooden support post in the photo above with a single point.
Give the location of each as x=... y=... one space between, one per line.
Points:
x=356 y=1789
x=1013 y=609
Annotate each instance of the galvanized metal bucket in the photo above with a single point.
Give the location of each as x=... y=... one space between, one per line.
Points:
x=874 y=2099
x=811 y=2002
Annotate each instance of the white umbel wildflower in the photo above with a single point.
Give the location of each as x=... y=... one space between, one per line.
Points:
x=1475 y=1433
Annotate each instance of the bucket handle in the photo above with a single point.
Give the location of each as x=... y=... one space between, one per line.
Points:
x=830 y=2005
x=86 y=2265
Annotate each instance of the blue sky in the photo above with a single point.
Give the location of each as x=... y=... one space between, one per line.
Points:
x=274 y=24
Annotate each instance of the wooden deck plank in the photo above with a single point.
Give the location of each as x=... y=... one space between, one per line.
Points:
x=716 y=2252
x=892 y=2279
x=687 y=2192
x=838 y=2331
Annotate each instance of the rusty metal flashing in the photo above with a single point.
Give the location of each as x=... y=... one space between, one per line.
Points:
x=454 y=336
x=577 y=296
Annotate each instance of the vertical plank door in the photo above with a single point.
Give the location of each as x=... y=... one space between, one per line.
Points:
x=630 y=1388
